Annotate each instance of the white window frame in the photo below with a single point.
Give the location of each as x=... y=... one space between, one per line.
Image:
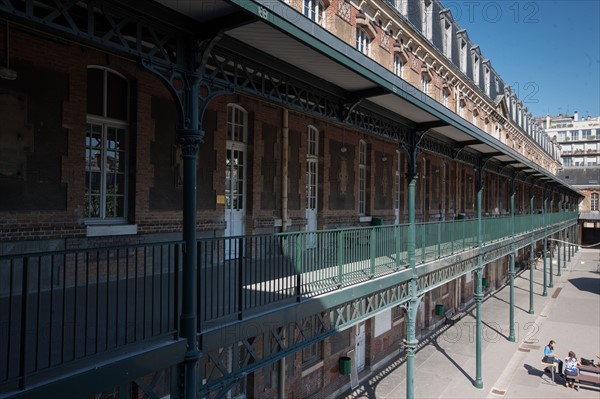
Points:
x=486 y=80
x=362 y=177
x=424 y=83
x=446 y=97
x=105 y=123
x=314 y=10
x=427 y=18
x=363 y=40
x=312 y=157
x=594 y=201
x=476 y=63
x=447 y=25
x=398 y=64
x=462 y=49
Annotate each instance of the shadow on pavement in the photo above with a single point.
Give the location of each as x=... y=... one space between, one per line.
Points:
x=586 y=284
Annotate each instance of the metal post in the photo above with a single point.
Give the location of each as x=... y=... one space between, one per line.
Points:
x=189 y=139
x=511 y=270
x=558 y=254
x=511 y=274
x=411 y=342
x=532 y=250
x=531 y=260
x=551 y=284
x=478 y=299
x=478 y=286
x=545 y=250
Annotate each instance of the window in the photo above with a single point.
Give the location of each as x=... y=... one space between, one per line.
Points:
x=461 y=108
x=426 y=18
x=486 y=80
x=106 y=145
x=475 y=114
x=463 y=55
x=398 y=64
x=363 y=41
x=424 y=83
x=574 y=134
x=445 y=97
x=594 y=202
x=476 y=69
x=362 y=177
x=402 y=6
x=447 y=38
x=311 y=354
x=314 y=9
x=311 y=168
x=497 y=85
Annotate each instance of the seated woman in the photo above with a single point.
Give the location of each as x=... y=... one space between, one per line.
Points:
x=571 y=370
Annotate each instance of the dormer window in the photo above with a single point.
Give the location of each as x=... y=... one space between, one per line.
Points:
x=427 y=18
x=463 y=54
x=476 y=69
x=486 y=80
x=447 y=25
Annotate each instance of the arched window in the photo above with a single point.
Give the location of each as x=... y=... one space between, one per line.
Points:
x=398 y=64
x=237 y=121
x=594 y=202
x=106 y=145
x=363 y=40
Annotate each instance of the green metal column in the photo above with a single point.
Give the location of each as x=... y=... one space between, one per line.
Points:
x=558 y=242
x=478 y=286
x=551 y=284
x=569 y=237
x=577 y=237
x=511 y=270
x=411 y=342
x=531 y=250
x=189 y=138
x=545 y=250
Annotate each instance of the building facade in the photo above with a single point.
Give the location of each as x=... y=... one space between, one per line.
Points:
x=235 y=199
x=579 y=141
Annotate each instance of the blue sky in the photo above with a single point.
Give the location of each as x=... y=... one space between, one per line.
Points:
x=547 y=51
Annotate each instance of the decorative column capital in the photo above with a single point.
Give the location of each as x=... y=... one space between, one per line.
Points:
x=189 y=140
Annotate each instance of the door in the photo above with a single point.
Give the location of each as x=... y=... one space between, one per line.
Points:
x=359 y=347
x=234 y=199
x=312 y=175
x=235 y=180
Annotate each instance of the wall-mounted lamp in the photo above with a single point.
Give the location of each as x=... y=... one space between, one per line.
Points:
x=343 y=149
x=384 y=158
x=6 y=72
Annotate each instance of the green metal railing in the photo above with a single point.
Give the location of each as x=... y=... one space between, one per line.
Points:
x=270 y=268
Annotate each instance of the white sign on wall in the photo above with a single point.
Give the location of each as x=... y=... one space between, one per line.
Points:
x=383 y=322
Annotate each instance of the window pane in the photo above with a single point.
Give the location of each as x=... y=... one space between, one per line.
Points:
x=95 y=91
x=116 y=97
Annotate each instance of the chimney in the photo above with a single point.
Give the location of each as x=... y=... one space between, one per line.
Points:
x=547 y=121
x=575 y=116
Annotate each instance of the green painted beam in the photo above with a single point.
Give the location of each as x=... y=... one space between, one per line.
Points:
x=88 y=380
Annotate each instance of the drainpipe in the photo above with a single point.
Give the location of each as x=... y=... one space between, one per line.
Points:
x=284 y=217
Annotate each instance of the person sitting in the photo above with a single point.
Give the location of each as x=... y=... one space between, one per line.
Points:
x=571 y=370
x=550 y=357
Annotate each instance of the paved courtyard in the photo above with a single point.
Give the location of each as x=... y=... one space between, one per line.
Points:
x=445 y=361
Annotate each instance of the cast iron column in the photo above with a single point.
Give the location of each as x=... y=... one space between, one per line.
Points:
x=189 y=138
x=545 y=250
x=411 y=342
x=558 y=240
x=511 y=270
x=569 y=235
x=551 y=285
x=532 y=250
x=565 y=238
x=478 y=288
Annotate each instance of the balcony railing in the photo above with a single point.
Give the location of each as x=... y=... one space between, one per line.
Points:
x=60 y=307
